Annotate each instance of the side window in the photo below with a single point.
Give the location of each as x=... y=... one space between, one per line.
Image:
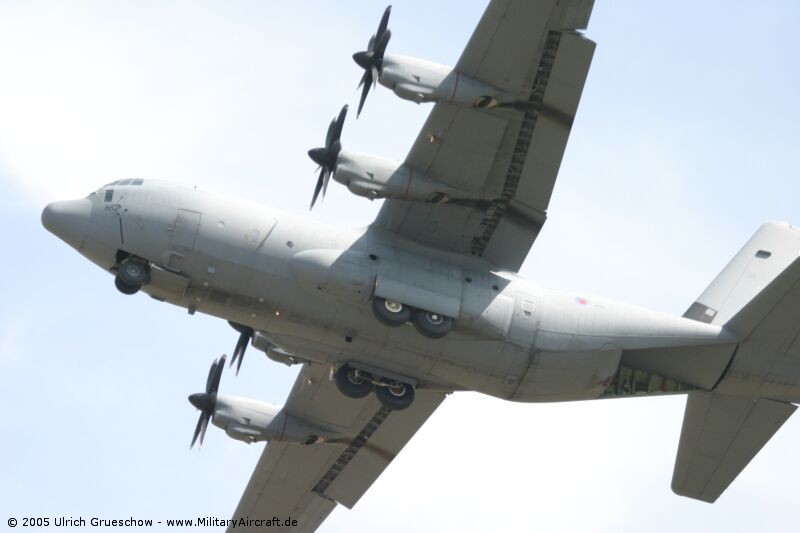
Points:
x=109 y=195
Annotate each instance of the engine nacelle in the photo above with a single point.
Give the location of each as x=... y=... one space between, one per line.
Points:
x=253 y=421
x=377 y=177
x=277 y=354
x=421 y=81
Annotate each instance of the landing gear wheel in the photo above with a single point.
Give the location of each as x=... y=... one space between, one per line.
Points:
x=430 y=324
x=123 y=288
x=134 y=273
x=390 y=313
x=353 y=383
x=395 y=395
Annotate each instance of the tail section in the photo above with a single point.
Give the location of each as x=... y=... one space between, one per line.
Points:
x=757 y=298
x=774 y=247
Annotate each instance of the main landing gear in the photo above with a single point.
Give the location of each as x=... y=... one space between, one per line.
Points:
x=395 y=314
x=132 y=274
x=392 y=394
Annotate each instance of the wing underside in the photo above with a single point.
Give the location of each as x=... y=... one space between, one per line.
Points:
x=505 y=158
x=306 y=482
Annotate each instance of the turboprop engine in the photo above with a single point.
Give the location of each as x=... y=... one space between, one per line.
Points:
x=419 y=80
x=248 y=420
x=374 y=177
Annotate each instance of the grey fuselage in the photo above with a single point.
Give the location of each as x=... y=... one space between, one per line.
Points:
x=307 y=287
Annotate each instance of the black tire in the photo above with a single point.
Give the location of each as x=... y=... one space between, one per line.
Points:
x=396 y=396
x=431 y=325
x=353 y=383
x=123 y=288
x=390 y=313
x=134 y=273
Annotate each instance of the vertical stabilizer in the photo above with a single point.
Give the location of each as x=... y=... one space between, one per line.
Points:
x=774 y=247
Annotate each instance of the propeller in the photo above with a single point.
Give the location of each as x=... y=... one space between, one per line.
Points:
x=326 y=157
x=371 y=60
x=245 y=336
x=207 y=401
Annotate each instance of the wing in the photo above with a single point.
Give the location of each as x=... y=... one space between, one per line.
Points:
x=507 y=157
x=720 y=435
x=304 y=483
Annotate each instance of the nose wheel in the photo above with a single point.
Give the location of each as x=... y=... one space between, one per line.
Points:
x=132 y=275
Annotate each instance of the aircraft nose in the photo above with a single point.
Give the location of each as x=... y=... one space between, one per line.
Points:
x=68 y=220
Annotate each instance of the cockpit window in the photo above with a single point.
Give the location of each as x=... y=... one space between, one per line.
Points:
x=125 y=182
x=109 y=195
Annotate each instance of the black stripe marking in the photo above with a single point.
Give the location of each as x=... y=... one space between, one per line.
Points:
x=533 y=108
x=351 y=451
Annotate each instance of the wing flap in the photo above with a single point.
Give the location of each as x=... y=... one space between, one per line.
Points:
x=553 y=125
x=507 y=32
x=720 y=436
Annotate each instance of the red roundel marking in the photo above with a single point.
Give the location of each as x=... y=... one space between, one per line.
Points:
x=581 y=301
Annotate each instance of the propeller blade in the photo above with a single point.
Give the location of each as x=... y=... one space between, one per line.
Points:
x=317 y=189
x=325 y=181
x=197 y=430
x=364 y=79
x=220 y=365
x=338 y=130
x=375 y=75
x=205 y=420
x=384 y=21
x=211 y=372
x=380 y=46
x=367 y=81
x=238 y=352
x=371 y=45
x=241 y=346
x=331 y=131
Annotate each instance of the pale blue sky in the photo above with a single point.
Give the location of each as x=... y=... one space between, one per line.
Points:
x=686 y=140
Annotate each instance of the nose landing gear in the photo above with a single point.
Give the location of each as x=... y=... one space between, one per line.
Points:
x=132 y=274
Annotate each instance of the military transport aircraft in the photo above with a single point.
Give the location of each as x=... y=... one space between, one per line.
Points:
x=384 y=322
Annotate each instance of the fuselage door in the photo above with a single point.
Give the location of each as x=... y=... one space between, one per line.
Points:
x=184 y=236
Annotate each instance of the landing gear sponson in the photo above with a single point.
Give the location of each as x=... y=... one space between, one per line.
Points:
x=356 y=383
x=394 y=314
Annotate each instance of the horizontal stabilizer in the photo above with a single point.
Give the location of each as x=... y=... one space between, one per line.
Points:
x=720 y=436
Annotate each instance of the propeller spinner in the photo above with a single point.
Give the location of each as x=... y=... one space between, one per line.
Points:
x=206 y=401
x=327 y=156
x=371 y=60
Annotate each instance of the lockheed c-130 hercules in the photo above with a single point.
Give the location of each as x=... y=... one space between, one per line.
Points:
x=384 y=322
